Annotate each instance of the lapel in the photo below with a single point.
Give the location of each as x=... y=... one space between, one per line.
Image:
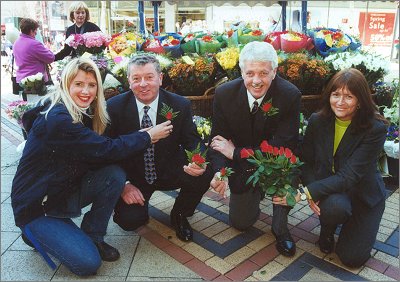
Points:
x=348 y=142
x=241 y=114
x=161 y=100
x=261 y=120
x=132 y=115
x=326 y=134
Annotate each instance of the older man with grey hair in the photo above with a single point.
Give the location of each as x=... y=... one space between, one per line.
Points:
x=239 y=122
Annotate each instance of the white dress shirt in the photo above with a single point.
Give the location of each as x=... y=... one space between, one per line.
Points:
x=251 y=100
x=152 y=111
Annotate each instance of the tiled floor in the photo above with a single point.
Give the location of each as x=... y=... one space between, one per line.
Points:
x=218 y=252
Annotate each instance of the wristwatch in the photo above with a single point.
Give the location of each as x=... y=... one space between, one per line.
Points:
x=303 y=195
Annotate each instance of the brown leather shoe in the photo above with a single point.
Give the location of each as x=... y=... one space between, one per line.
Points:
x=107 y=252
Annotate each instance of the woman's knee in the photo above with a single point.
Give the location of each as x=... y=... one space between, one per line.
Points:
x=352 y=259
x=116 y=177
x=86 y=265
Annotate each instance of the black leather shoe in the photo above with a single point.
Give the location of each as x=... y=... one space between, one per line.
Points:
x=285 y=245
x=182 y=227
x=326 y=244
x=27 y=241
x=107 y=252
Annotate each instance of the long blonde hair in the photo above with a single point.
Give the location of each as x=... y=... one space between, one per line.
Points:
x=60 y=94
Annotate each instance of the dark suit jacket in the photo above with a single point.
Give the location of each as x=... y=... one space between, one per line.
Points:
x=355 y=160
x=169 y=152
x=57 y=154
x=232 y=120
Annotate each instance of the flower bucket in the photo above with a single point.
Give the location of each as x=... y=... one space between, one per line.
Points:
x=174 y=50
x=244 y=39
x=274 y=39
x=203 y=47
x=294 y=46
x=189 y=47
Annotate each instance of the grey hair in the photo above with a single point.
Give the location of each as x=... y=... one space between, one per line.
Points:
x=258 y=52
x=141 y=60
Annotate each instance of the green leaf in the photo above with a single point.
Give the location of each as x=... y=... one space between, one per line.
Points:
x=290 y=200
x=271 y=190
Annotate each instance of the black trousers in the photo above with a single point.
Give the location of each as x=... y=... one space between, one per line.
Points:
x=359 y=229
x=192 y=189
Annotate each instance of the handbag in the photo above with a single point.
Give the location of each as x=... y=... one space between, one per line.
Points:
x=16 y=88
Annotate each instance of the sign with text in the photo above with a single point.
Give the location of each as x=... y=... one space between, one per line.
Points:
x=376 y=28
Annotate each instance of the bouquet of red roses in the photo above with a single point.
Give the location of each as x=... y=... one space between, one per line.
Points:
x=275 y=169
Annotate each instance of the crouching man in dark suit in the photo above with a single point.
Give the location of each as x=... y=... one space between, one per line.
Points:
x=258 y=106
x=163 y=166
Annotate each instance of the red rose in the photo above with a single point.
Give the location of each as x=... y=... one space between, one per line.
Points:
x=257 y=32
x=230 y=33
x=281 y=151
x=245 y=153
x=198 y=159
x=264 y=146
x=293 y=159
x=223 y=172
x=276 y=151
x=337 y=35
x=270 y=149
x=288 y=153
x=168 y=116
x=266 y=107
x=175 y=42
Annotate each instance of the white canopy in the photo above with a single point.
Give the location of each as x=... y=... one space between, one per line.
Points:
x=183 y=3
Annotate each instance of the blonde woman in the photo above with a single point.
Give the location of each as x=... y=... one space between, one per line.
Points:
x=66 y=165
x=78 y=14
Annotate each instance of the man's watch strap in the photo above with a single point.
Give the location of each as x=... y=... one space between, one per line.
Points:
x=303 y=196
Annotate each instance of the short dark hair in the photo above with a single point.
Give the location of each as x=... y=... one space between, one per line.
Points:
x=354 y=81
x=142 y=59
x=27 y=25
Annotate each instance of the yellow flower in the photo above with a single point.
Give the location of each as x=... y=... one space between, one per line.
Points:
x=228 y=58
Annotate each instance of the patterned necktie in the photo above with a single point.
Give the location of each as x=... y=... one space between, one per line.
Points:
x=255 y=107
x=149 y=165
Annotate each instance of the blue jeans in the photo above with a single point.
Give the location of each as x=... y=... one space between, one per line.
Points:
x=72 y=245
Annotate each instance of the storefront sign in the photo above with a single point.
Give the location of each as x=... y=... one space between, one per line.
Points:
x=376 y=28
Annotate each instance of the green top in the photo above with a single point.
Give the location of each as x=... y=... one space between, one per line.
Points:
x=340 y=129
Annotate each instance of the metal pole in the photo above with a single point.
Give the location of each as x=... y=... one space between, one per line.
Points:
x=304 y=16
x=142 y=25
x=156 y=4
x=283 y=4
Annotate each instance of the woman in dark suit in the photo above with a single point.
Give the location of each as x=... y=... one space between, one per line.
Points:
x=79 y=15
x=340 y=151
x=65 y=166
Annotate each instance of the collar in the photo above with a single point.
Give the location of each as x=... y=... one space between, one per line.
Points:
x=251 y=99
x=153 y=105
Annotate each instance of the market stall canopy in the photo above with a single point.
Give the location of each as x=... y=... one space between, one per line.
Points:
x=250 y=3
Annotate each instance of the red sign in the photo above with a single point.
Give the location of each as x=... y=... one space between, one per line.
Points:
x=376 y=28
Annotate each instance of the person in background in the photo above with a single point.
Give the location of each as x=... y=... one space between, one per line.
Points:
x=79 y=15
x=340 y=151
x=240 y=121
x=31 y=56
x=66 y=165
x=164 y=167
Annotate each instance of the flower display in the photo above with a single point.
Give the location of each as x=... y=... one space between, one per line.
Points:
x=124 y=44
x=191 y=76
x=33 y=84
x=197 y=157
x=188 y=43
x=247 y=35
x=15 y=110
x=229 y=61
x=153 y=45
x=292 y=42
x=208 y=44
x=373 y=66
x=172 y=44
x=119 y=70
x=203 y=126
x=167 y=112
x=274 y=38
x=308 y=73
x=275 y=169
x=329 y=40
x=91 y=42
x=268 y=109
